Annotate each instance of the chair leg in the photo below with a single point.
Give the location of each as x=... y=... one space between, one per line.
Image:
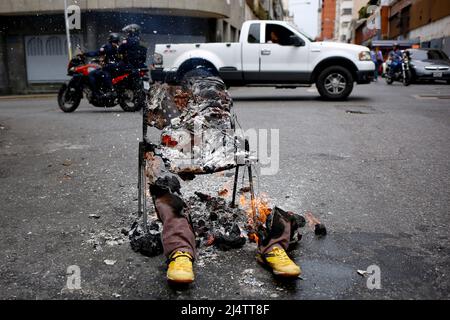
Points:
x=252 y=192
x=236 y=177
x=250 y=180
x=140 y=160
x=142 y=188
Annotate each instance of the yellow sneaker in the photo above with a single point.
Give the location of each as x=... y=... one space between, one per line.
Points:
x=180 y=268
x=280 y=263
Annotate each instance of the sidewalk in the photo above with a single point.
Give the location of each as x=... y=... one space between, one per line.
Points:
x=29 y=96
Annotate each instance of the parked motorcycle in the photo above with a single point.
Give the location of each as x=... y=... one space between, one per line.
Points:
x=130 y=88
x=404 y=74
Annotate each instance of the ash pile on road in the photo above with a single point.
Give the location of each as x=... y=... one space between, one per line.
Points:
x=216 y=224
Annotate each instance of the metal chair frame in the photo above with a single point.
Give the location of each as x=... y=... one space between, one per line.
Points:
x=145 y=146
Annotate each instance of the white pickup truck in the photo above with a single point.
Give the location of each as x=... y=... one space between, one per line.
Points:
x=270 y=53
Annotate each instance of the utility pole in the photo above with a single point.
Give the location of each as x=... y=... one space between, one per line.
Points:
x=66 y=19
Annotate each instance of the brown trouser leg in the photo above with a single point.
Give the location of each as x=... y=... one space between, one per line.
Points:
x=177 y=232
x=279 y=236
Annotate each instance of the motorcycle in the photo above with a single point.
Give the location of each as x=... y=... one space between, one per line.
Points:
x=404 y=74
x=130 y=88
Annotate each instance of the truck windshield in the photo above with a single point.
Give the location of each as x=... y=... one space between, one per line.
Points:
x=301 y=32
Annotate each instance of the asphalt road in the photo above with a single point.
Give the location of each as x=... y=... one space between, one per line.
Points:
x=375 y=169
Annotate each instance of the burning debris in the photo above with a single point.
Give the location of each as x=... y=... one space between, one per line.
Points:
x=217 y=224
x=314 y=223
x=147 y=243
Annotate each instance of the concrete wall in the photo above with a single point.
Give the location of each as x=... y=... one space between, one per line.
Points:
x=15 y=57
x=434 y=30
x=434 y=35
x=4 y=83
x=208 y=8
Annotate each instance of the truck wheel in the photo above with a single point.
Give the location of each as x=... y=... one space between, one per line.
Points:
x=335 y=83
x=197 y=73
x=408 y=79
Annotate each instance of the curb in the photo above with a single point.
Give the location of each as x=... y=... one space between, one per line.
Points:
x=29 y=96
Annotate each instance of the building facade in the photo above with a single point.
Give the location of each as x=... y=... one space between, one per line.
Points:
x=288 y=16
x=426 y=21
x=328 y=20
x=374 y=25
x=344 y=14
x=422 y=22
x=33 y=49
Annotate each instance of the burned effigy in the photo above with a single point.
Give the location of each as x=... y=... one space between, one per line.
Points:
x=197 y=136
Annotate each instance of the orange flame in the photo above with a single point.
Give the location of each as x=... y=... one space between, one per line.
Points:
x=262 y=205
x=253 y=237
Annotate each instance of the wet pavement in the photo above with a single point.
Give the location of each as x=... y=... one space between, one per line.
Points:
x=374 y=169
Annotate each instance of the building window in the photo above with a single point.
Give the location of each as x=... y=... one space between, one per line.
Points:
x=35 y=47
x=254 y=34
x=346 y=11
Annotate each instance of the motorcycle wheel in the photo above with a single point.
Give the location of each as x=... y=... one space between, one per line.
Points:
x=68 y=101
x=389 y=80
x=407 y=79
x=132 y=100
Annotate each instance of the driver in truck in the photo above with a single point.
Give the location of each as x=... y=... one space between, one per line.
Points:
x=274 y=38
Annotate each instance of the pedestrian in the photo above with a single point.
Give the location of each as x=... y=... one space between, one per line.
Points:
x=377 y=58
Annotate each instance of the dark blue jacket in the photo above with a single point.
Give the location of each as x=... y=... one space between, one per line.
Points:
x=133 y=53
x=108 y=51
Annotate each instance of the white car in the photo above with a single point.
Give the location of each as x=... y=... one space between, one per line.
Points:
x=270 y=53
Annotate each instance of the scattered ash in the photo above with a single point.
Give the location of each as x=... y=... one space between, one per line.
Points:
x=108 y=238
x=206 y=256
x=248 y=279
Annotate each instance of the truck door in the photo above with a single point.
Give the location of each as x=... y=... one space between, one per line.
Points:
x=282 y=57
x=251 y=48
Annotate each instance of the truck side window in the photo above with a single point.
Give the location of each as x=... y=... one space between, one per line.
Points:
x=254 y=33
x=278 y=34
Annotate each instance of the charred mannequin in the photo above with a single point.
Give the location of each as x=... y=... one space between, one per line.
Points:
x=196 y=123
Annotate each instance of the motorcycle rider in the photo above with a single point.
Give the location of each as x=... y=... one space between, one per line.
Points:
x=133 y=55
x=109 y=55
x=395 y=57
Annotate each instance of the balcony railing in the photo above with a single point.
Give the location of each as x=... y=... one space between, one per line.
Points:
x=258 y=9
